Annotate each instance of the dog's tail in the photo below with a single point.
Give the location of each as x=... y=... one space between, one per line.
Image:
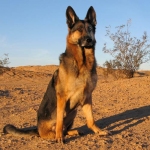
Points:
x=11 y=129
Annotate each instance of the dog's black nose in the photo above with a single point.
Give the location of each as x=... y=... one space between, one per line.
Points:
x=89 y=40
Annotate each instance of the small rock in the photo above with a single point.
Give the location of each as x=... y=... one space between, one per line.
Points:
x=9 y=141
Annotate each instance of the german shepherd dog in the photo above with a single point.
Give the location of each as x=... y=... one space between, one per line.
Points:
x=71 y=85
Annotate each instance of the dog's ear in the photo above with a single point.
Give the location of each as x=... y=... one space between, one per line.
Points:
x=71 y=16
x=91 y=16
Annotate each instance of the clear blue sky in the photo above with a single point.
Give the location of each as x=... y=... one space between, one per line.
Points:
x=33 y=32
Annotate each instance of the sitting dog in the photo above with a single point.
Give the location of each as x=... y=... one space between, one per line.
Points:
x=71 y=85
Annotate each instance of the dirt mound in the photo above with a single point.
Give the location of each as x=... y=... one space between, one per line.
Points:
x=120 y=106
x=25 y=72
x=44 y=69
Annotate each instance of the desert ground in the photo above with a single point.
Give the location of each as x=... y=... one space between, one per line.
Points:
x=119 y=106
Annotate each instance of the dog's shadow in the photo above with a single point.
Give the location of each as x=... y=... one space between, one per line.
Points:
x=120 y=122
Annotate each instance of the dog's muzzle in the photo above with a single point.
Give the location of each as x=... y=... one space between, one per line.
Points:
x=86 y=42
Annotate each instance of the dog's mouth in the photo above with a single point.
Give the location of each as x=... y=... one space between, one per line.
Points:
x=87 y=47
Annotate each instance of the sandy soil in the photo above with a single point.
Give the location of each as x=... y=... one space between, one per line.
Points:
x=120 y=106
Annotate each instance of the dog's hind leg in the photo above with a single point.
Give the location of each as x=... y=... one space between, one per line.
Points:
x=46 y=130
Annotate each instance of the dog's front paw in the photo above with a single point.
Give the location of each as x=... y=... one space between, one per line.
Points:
x=104 y=132
x=60 y=140
x=99 y=131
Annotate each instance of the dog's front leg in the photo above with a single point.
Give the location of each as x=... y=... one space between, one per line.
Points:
x=59 y=121
x=87 y=109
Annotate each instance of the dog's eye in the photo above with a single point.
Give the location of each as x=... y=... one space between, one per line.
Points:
x=90 y=28
x=80 y=29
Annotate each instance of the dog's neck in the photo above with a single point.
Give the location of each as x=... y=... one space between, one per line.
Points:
x=84 y=57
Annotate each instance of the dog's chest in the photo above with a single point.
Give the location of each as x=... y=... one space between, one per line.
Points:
x=86 y=80
x=81 y=88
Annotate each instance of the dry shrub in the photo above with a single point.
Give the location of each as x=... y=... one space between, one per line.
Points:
x=128 y=52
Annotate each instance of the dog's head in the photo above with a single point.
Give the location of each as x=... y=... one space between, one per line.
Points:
x=81 y=32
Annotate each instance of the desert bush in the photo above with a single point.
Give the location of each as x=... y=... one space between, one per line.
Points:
x=4 y=61
x=128 y=52
x=112 y=67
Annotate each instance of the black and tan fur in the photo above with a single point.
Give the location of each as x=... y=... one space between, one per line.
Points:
x=71 y=85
